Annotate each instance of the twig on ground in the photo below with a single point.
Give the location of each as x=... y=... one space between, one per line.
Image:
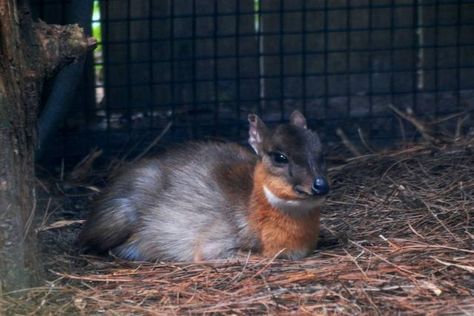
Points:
x=345 y=140
x=420 y=126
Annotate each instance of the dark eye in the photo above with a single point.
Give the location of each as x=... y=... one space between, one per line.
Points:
x=279 y=158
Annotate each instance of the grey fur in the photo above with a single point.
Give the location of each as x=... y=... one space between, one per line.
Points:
x=166 y=208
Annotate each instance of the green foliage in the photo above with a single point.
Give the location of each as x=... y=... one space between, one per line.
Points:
x=96 y=23
x=98 y=52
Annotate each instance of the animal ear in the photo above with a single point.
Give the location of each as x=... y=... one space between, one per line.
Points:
x=297 y=119
x=257 y=132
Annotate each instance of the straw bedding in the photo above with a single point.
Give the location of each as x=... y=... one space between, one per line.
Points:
x=398 y=238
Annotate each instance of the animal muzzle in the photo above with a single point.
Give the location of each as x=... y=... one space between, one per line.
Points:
x=317 y=188
x=320 y=186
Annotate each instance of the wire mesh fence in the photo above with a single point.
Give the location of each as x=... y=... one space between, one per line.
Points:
x=203 y=65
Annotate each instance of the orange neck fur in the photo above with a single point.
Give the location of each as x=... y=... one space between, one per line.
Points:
x=278 y=230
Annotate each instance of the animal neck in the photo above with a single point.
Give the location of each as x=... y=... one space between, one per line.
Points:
x=281 y=220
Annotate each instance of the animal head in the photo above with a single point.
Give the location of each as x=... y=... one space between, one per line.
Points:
x=292 y=159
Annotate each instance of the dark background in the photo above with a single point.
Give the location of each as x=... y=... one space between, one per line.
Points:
x=203 y=65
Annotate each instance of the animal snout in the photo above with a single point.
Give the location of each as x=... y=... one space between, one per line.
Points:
x=320 y=186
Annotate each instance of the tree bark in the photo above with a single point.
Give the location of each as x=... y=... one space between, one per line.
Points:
x=30 y=52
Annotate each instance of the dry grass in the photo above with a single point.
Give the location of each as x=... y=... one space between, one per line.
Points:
x=404 y=220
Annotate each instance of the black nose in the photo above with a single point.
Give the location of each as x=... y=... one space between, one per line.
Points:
x=320 y=186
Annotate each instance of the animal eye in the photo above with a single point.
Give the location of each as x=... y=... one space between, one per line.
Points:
x=279 y=158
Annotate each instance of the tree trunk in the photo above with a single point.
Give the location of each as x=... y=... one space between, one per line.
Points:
x=30 y=52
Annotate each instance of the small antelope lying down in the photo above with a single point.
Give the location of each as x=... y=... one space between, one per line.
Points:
x=206 y=201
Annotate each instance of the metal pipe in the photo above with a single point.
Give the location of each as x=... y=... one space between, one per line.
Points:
x=65 y=83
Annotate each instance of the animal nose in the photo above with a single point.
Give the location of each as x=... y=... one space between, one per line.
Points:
x=320 y=186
